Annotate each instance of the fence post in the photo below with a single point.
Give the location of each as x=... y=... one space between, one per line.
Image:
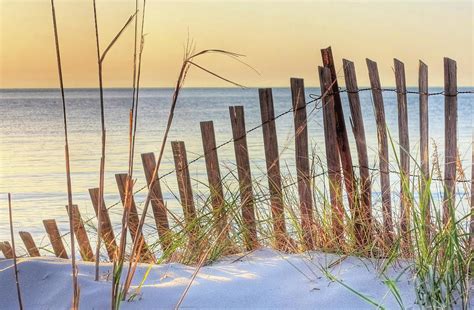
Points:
x=424 y=151
x=405 y=203
x=107 y=232
x=239 y=135
x=81 y=235
x=6 y=249
x=341 y=131
x=302 y=162
x=270 y=143
x=450 y=136
x=363 y=218
x=29 y=244
x=133 y=220
x=157 y=201
x=334 y=169
x=214 y=179
x=382 y=149
x=185 y=190
x=55 y=238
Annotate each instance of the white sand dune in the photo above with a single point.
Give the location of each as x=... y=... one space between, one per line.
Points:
x=261 y=279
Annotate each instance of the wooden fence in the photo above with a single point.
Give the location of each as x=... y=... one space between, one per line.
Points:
x=340 y=168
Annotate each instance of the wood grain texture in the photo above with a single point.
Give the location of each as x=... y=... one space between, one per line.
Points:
x=29 y=243
x=363 y=217
x=272 y=159
x=247 y=202
x=6 y=249
x=145 y=255
x=424 y=146
x=341 y=131
x=382 y=150
x=402 y=106
x=450 y=136
x=333 y=166
x=55 y=238
x=81 y=235
x=158 y=205
x=302 y=161
x=214 y=178
x=185 y=189
x=106 y=232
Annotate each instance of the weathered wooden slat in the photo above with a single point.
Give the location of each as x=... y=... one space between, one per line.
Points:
x=405 y=203
x=424 y=144
x=81 y=235
x=185 y=189
x=382 y=150
x=341 y=131
x=55 y=238
x=363 y=223
x=157 y=202
x=214 y=179
x=333 y=167
x=6 y=249
x=450 y=136
x=270 y=143
x=302 y=162
x=30 y=244
x=239 y=135
x=146 y=255
x=107 y=232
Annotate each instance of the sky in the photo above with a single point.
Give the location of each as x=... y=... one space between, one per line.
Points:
x=281 y=39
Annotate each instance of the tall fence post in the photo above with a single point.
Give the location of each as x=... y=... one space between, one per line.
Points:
x=239 y=135
x=160 y=212
x=382 y=149
x=214 y=178
x=6 y=249
x=424 y=144
x=405 y=203
x=341 y=131
x=30 y=244
x=107 y=232
x=185 y=190
x=333 y=167
x=270 y=143
x=55 y=238
x=363 y=218
x=450 y=137
x=302 y=162
x=133 y=219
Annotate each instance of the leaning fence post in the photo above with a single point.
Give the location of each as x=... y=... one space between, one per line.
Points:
x=81 y=235
x=157 y=202
x=29 y=244
x=273 y=167
x=133 y=220
x=450 y=137
x=107 y=232
x=247 y=202
x=185 y=190
x=424 y=151
x=302 y=161
x=342 y=138
x=363 y=218
x=214 y=178
x=334 y=169
x=55 y=238
x=382 y=149
x=405 y=203
x=6 y=249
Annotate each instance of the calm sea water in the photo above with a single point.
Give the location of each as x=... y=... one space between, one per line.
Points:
x=32 y=143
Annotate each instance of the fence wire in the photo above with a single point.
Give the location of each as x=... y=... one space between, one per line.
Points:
x=314 y=99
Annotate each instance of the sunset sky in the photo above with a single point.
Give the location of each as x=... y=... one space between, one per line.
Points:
x=281 y=39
